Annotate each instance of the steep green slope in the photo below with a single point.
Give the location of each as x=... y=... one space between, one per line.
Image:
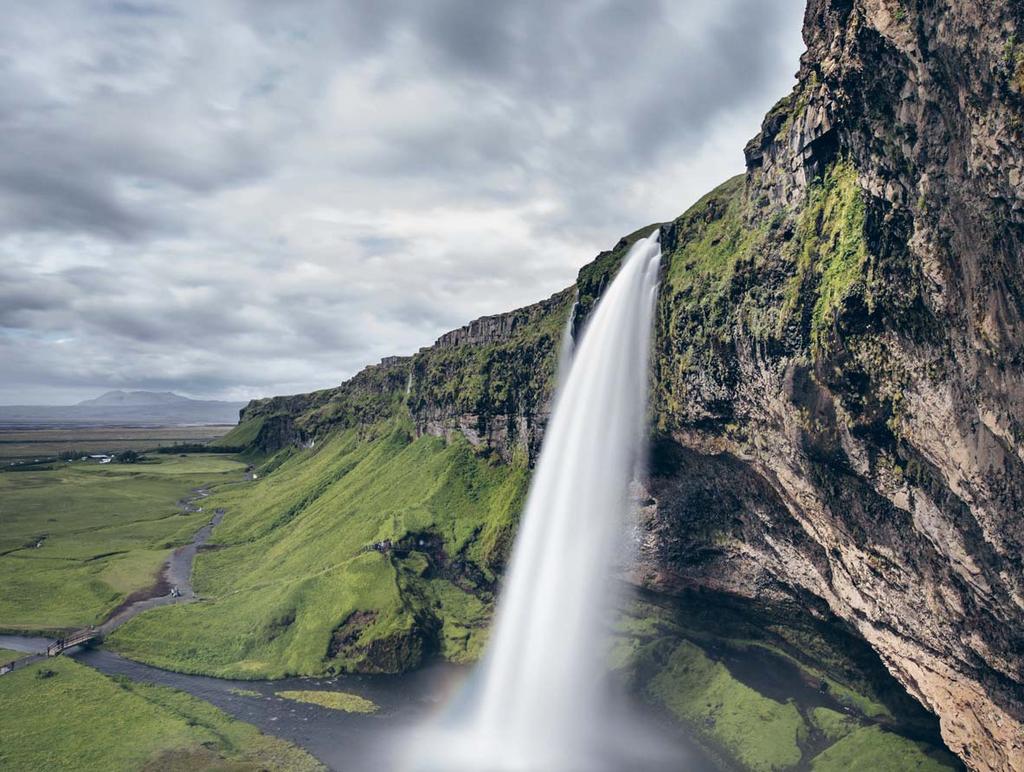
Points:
x=426 y=457
x=384 y=509
x=366 y=553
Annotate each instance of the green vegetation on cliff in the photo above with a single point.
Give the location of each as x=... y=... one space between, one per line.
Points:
x=366 y=553
x=508 y=375
x=369 y=542
x=242 y=435
x=59 y=714
x=496 y=374
x=733 y=270
x=873 y=748
x=832 y=252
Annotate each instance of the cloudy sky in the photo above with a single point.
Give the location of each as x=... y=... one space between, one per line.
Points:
x=237 y=199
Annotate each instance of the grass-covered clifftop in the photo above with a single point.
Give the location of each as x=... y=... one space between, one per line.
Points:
x=490 y=381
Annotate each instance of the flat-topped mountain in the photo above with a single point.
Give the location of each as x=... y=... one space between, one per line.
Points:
x=120 y=398
x=125 y=408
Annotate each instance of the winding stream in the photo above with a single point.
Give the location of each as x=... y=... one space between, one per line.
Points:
x=176 y=573
x=381 y=741
x=343 y=741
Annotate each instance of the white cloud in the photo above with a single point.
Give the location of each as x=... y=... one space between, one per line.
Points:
x=235 y=199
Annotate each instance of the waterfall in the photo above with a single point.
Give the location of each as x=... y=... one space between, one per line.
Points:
x=567 y=347
x=534 y=702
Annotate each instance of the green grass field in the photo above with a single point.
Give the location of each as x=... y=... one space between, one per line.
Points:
x=294 y=562
x=46 y=442
x=75 y=718
x=77 y=540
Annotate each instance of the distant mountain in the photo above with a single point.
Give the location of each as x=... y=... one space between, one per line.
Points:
x=136 y=398
x=124 y=408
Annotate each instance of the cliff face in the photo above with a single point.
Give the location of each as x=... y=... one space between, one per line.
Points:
x=839 y=378
x=840 y=387
x=490 y=381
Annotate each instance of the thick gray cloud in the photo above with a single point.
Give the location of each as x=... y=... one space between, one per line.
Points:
x=233 y=199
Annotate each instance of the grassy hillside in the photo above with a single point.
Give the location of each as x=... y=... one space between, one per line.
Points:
x=366 y=546
x=60 y=715
x=294 y=585
x=242 y=435
x=78 y=539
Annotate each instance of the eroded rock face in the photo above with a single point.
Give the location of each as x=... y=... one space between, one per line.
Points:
x=491 y=381
x=278 y=431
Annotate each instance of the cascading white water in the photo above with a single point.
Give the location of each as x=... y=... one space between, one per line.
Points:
x=567 y=347
x=535 y=698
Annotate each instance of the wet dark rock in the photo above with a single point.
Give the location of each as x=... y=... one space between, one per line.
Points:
x=277 y=432
x=396 y=652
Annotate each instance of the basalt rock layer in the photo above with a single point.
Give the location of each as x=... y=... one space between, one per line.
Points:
x=838 y=395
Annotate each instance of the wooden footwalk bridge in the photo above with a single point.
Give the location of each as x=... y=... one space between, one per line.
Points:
x=59 y=646
x=76 y=638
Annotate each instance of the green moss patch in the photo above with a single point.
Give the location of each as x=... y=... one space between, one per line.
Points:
x=763 y=690
x=830 y=246
x=349 y=703
x=833 y=724
x=245 y=692
x=873 y=748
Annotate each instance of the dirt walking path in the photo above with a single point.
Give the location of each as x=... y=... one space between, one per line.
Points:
x=176 y=574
